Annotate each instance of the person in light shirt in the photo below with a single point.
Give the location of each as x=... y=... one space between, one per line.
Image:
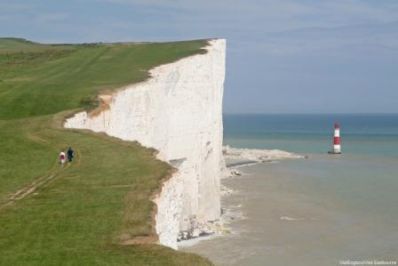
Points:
x=62 y=158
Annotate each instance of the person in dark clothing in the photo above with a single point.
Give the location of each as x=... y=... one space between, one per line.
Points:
x=70 y=154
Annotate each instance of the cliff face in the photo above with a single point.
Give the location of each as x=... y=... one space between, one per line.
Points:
x=178 y=111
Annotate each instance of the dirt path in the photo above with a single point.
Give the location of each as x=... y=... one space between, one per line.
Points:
x=40 y=182
x=33 y=186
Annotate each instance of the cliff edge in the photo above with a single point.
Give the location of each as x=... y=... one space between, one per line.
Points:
x=178 y=111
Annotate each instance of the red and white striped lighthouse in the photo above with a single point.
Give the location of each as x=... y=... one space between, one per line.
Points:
x=336 y=140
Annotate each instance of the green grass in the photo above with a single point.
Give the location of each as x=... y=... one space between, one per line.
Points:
x=12 y=45
x=66 y=77
x=81 y=213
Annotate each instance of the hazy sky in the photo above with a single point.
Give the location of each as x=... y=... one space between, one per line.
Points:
x=284 y=56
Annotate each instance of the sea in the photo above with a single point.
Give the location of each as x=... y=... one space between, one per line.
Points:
x=322 y=210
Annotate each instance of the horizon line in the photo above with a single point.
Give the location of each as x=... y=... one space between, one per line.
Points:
x=339 y=113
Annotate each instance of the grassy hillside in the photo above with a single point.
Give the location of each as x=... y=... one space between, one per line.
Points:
x=79 y=214
x=46 y=81
x=10 y=45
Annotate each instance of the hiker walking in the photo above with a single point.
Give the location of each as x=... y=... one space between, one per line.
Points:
x=70 y=154
x=62 y=158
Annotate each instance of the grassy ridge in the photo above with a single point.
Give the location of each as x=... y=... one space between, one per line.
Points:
x=66 y=77
x=81 y=213
x=12 y=45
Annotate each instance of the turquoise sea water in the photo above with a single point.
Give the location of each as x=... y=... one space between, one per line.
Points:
x=338 y=207
x=366 y=175
x=361 y=134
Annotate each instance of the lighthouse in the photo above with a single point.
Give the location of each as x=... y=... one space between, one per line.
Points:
x=336 y=140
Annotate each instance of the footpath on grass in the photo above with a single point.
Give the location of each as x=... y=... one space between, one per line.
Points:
x=79 y=214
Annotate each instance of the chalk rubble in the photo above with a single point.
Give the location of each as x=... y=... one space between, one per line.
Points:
x=257 y=155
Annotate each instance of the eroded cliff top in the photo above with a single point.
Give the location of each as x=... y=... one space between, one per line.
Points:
x=39 y=79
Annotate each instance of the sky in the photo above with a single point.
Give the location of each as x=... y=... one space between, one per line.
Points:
x=283 y=56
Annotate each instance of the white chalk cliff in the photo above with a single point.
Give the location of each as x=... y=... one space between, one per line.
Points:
x=178 y=111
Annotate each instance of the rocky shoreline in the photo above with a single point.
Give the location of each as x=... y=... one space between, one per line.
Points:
x=234 y=158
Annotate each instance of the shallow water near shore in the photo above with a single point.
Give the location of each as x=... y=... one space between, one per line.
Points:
x=315 y=211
